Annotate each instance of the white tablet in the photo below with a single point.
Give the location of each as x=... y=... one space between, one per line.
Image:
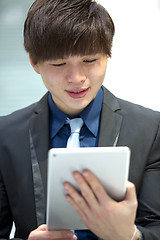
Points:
x=109 y=164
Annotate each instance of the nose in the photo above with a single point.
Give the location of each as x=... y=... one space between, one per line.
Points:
x=76 y=74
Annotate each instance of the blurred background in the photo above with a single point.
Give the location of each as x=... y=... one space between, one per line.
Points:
x=133 y=72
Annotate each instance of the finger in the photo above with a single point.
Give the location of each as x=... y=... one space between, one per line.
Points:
x=78 y=207
x=61 y=235
x=85 y=189
x=96 y=186
x=42 y=227
x=74 y=194
x=131 y=194
x=43 y=233
x=76 y=200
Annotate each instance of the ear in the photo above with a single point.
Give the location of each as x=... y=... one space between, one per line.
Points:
x=107 y=57
x=35 y=66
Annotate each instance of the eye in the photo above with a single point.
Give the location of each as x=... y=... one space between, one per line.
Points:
x=90 y=61
x=58 y=65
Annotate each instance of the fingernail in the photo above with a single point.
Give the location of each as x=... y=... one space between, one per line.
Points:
x=86 y=174
x=66 y=187
x=76 y=175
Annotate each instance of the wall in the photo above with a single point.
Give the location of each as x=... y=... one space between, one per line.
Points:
x=134 y=69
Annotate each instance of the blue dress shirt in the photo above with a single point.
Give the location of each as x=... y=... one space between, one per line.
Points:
x=89 y=134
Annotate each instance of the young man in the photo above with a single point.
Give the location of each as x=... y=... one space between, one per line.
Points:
x=69 y=43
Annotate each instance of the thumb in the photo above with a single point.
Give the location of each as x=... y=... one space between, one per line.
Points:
x=42 y=227
x=131 y=193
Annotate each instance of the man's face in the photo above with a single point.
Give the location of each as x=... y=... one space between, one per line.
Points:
x=73 y=81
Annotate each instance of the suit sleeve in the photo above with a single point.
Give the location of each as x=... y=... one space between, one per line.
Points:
x=6 y=220
x=148 y=214
x=5 y=213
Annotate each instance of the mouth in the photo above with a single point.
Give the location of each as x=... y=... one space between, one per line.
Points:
x=77 y=93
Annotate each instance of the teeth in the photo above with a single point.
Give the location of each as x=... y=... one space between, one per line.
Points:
x=77 y=91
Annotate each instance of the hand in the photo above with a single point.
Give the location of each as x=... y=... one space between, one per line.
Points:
x=42 y=233
x=105 y=217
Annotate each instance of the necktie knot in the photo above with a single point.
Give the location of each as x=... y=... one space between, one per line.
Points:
x=75 y=125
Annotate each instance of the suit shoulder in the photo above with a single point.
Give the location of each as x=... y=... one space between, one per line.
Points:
x=137 y=111
x=17 y=116
x=18 y=121
x=14 y=125
x=128 y=109
x=24 y=114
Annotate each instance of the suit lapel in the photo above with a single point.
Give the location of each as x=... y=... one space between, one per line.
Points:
x=110 y=120
x=39 y=127
x=39 y=145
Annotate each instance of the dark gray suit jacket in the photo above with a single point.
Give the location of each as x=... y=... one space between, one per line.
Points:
x=24 y=143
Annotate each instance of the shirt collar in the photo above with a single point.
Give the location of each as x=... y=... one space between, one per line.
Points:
x=57 y=117
x=90 y=115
